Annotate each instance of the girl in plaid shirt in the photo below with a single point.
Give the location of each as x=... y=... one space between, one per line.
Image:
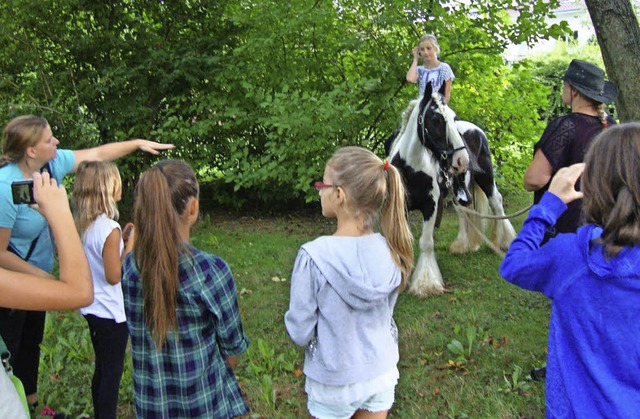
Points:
x=181 y=306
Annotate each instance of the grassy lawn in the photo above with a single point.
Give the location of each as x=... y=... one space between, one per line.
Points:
x=466 y=353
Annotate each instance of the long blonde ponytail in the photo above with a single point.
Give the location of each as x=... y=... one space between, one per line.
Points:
x=394 y=224
x=376 y=193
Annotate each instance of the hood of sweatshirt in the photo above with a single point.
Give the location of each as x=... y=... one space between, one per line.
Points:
x=624 y=264
x=360 y=269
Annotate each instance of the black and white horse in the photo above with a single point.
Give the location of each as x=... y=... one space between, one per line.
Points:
x=435 y=154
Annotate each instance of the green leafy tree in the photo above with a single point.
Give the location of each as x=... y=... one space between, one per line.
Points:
x=257 y=94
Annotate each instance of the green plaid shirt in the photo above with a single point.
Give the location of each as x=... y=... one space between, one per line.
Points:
x=188 y=377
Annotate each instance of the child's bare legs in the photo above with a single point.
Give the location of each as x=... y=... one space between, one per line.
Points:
x=365 y=414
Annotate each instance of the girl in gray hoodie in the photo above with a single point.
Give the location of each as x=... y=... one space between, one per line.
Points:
x=344 y=288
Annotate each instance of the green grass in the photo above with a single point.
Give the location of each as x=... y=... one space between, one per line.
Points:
x=466 y=353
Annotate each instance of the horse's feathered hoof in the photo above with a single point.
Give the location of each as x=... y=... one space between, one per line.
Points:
x=426 y=289
x=460 y=248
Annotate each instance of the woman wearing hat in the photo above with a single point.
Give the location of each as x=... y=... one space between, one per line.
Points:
x=566 y=139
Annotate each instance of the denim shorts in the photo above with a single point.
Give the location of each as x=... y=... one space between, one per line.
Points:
x=377 y=403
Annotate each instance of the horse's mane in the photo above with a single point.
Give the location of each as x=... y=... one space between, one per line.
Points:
x=406 y=114
x=448 y=114
x=445 y=110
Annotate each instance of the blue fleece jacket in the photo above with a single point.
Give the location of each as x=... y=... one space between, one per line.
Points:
x=343 y=291
x=593 y=366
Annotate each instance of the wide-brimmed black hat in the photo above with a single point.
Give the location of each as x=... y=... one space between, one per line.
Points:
x=589 y=80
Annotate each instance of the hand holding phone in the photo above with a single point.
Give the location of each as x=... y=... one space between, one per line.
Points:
x=563 y=184
x=128 y=237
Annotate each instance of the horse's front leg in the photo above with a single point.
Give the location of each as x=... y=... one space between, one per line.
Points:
x=427 y=279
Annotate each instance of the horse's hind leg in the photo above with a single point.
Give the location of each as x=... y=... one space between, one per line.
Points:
x=471 y=226
x=503 y=231
x=427 y=279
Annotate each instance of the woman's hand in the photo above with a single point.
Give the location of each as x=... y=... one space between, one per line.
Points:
x=563 y=184
x=153 y=147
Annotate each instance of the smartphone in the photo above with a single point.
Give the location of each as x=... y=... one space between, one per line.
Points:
x=127 y=232
x=22 y=191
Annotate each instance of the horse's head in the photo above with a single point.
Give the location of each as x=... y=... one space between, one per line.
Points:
x=437 y=131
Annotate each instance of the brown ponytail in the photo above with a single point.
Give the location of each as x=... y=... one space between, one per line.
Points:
x=161 y=197
x=611 y=187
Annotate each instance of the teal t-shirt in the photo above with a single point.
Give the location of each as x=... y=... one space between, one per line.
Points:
x=25 y=223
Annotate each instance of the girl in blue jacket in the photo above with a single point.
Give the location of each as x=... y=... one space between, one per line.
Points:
x=592 y=278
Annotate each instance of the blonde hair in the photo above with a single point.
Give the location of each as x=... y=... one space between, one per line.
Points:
x=95 y=188
x=611 y=186
x=161 y=196
x=599 y=107
x=431 y=38
x=376 y=194
x=602 y=114
x=19 y=134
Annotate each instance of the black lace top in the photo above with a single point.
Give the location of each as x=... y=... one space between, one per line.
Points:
x=564 y=142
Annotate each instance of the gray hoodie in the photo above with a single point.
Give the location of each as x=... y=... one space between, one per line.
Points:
x=343 y=290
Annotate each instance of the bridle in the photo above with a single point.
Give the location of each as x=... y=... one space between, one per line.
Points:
x=444 y=155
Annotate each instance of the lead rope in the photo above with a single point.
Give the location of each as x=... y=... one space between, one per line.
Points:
x=466 y=211
x=461 y=207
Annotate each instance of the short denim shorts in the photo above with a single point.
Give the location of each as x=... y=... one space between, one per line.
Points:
x=376 y=403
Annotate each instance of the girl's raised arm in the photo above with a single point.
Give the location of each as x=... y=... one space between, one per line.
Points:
x=75 y=288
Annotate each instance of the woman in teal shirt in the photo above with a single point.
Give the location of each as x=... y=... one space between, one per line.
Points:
x=28 y=145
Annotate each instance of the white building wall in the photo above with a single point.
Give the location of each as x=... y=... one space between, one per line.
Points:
x=576 y=15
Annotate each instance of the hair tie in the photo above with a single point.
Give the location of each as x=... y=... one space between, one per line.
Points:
x=386 y=165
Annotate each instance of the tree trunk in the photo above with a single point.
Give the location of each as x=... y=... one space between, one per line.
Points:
x=618 y=33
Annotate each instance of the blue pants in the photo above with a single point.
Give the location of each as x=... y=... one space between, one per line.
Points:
x=109 y=341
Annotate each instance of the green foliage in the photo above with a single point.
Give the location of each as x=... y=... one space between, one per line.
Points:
x=511 y=119
x=67 y=364
x=264 y=365
x=257 y=95
x=516 y=381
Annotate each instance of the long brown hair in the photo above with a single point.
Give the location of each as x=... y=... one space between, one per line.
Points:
x=19 y=134
x=376 y=194
x=161 y=196
x=611 y=186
